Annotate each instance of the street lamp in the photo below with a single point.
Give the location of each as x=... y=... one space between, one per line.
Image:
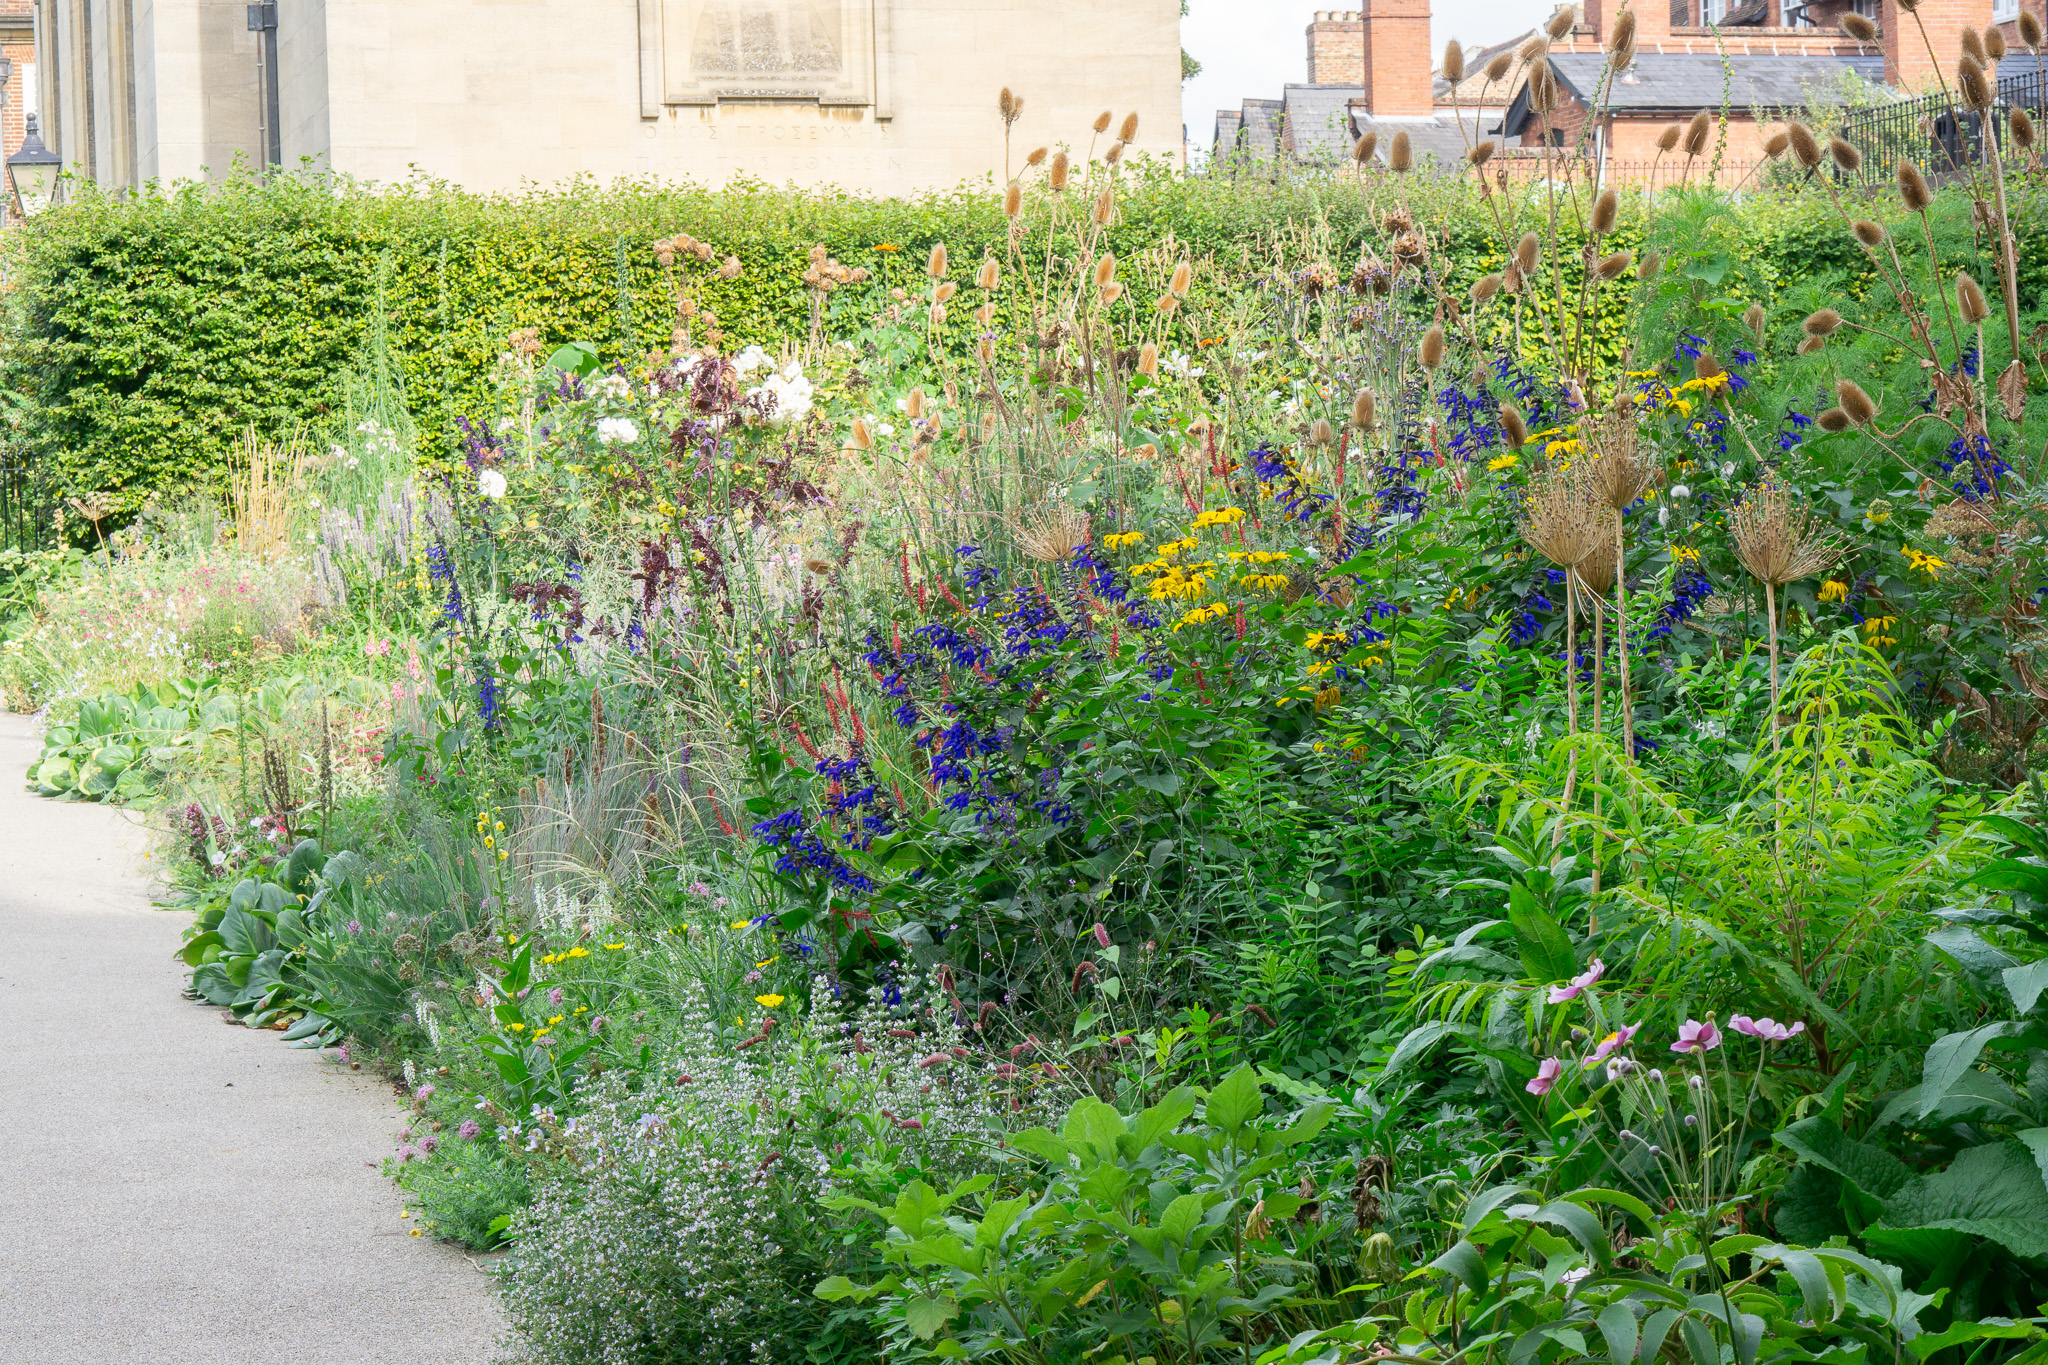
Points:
x=32 y=174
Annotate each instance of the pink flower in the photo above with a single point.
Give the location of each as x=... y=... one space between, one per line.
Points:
x=406 y=1154
x=1546 y=1076
x=1101 y=935
x=1560 y=994
x=1620 y=1038
x=1768 y=1029
x=470 y=1131
x=1695 y=1037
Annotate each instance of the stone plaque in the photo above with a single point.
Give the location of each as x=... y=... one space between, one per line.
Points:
x=716 y=50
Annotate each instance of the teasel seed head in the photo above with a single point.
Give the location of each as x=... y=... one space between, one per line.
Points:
x=1148 y=359
x=1869 y=233
x=1647 y=268
x=1776 y=539
x=1542 y=86
x=1753 y=317
x=1821 y=322
x=986 y=277
x=1913 y=191
x=1102 y=121
x=1973 y=44
x=1812 y=344
x=862 y=438
x=1526 y=252
x=1970 y=301
x=986 y=349
x=1497 y=69
x=1845 y=154
x=1481 y=153
x=1622 y=39
x=2030 y=30
x=1668 y=139
x=1859 y=28
x=1111 y=292
x=2022 y=125
x=1485 y=287
x=1105 y=269
x=1128 y=132
x=1512 y=427
x=1862 y=409
x=1362 y=150
x=1399 y=159
x=986 y=314
x=1614 y=265
x=1056 y=178
x=1776 y=143
x=1168 y=303
x=1974 y=84
x=1804 y=147
x=1561 y=23
x=1697 y=131
x=1363 y=415
x=1037 y=155
x=1994 y=43
x=1013 y=200
x=1321 y=433
x=1605 y=209
x=1533 y=49
x=1705 y=366
x=1114 y=154
x=1454 y=62
x=1909 y=5
x=913 y=403
x=1105 y=206
x=1432 y=348
x=945 y=291
x=935 y=264
x=1006 y=104
x=1832 y=421
x=1183 y=276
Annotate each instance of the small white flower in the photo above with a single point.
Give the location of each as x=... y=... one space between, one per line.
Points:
x=617 y=431
x=1663 y=516
x=751 y=359
x=491 y=483
x=613 y=386
x=884 y=429
x=1679 y=490
x=1728 y=470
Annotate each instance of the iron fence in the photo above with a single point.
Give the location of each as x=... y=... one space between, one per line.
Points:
x=27 y=509
x=1944 y=138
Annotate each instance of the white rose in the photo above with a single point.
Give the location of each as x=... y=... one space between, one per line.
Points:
x=491 y=483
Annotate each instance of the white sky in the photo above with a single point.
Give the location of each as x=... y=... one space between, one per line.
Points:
x=1250 y=48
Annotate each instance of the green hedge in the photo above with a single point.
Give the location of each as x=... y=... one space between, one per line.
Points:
x=146 y=334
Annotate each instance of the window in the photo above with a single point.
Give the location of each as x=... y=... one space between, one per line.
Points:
x=2004 y=11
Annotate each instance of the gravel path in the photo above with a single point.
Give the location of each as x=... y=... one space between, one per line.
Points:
x=177 y=1191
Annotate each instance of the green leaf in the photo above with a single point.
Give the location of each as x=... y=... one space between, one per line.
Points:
x=1463 y=1261
x=1821 y=1141
x=927 y=1316
x=1990 y=1329
x=1994 y=1191
x=1236 y=1101
x=997 y=1220
x=1618 y=1325
x=1583 y=1226
x=1545 y=949
x=1421 y=1039
x=2025 y=984
x=1954 y=1054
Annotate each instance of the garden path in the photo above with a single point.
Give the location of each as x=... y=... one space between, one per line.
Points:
x=177 y=1191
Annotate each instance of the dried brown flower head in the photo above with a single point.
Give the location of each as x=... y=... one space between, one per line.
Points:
x=1605 y=209
x=1183 y=276
x=1362 y=150
x=1148 y=359
x=1753 y=318
x=862 y=438
x=1832 y=421
x=1009 y=106
x=1497 y=69
x=1561 y=23
x=1868 y=233
x=1804 y=147
x=1105 y=206
x=1860 y=407
x=1400 y=159
x=1647 y=268
x=1128 y=131
x=1811 y=344
x=913 y=404
x=1970 y=300
x=1037 y=155
x=1542 y=86
x=986 y=277
x=1513 y=429
x=2022 y=125
x=1432 y=350
x=1974 y=84
x=935 y=264
x=1114 y=154
x=1821 y=322
x=1102 y=121
x=1105 y=269
x=1056 y=178
x=944 y=293
x=1994 y=43
x=1668 y=139
x=1526 y=253
x=1052 y=534
x=1616 y=473
x=1859 y=28
x=1776 y=539
x=1363 y=415
x=1562 y=521
x=1111 y=292
x=1485 y=287
x=1697 y=130
x=1614 y=265
x=1973 y=45
x=1845 y=154
x=1454 y=62
x=1913 y=190
x=1776 y=143
x=1623 y=38
x=1321 y=433
x=2030 y=30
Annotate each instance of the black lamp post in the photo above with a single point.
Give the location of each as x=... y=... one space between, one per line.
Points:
x=32 y=174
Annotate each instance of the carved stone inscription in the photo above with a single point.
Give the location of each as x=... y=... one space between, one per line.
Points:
x=713 y=50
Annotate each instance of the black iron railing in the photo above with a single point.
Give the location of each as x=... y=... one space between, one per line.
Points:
x=27 y=509
x=1939 y=134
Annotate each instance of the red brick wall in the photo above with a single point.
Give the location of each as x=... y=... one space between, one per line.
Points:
x=14 y=125
x=1384 y=48
x=1907 y=62
x=1336 y=48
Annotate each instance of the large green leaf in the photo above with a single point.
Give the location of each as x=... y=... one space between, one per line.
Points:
x=1545 y=949
x=1954 y=1054
x=1236 y=1101
x=2025 y=984
x=1994 y=1191
x=1821 y=1141
x=243 y=932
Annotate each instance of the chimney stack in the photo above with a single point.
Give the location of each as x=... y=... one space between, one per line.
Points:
x=1336 y=48
x=1400 y=70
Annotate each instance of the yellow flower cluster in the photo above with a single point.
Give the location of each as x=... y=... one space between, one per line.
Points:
x=1220 y=516
x=1173 y=548
x=1925 y=563
x=1320 y=640
x=1122 y=540
x=1195 y=616
x=1265 y=582
x=1834 y=590
x=1257 y=556
x=1500 y=462
x=768 y=1001
x=1877 y=630
x=1189 y=581
x=552 y=958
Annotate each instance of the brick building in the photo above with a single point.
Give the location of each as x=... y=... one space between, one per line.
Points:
x=17 y=72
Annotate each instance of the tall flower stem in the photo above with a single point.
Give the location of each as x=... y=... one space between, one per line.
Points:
x=1771 y=618
x=1628 y=720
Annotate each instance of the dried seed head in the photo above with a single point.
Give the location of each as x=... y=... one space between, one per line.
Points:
x=1526 y=253
x=986 y=314
x=1485 y=287
x=1753 y=318
x=986 y=277
x=1812 y=344
x=729 y=268
x=1037 y=156
x=1362 y=150
x=1432 y=348
x=1362 y=414
x=1913 y=190
x=1970 y=301
x=1775 y=538
x=1561 y=521
x=1006 y=104
x=1497 y=69
x=862 y=439
x=1668 y=139
x=1481 y=154
x=1832 y=421
x=1056 y=178
x=1869 y=233
x=2030 y=30
x=1994 y=43
x=1183 y=276
x=1128 y=131
x=1105 y=270
x=1168 y=303
x=1615 y=474
x=1102 y=121
x=1399 y=158
x=1705 y=366
x=1111 y=292
x=1533 y=49
x=1623 y=39
x=1052 y=534
x=1114 y=154
x=1605 y=209
x=1974 y=84
x=1013 y=200
x=1561 y=23
x=1973 y=44
x=1845 y=154
x=1105 y=206
x=1862 y=409
x=1614 y=266
x=1542 y=87
x=1454 y=62
x=1513 y=428
x=935 y=264
x=1776 y=143
x=1647 y=268
x=1148 y=359
x=1697 y=131
x=945 y=291
x=1321 y=433
x=1821 y=322
x=913 y=403
x=2022 y=125
x=1859 y=28
x=1803 y=144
